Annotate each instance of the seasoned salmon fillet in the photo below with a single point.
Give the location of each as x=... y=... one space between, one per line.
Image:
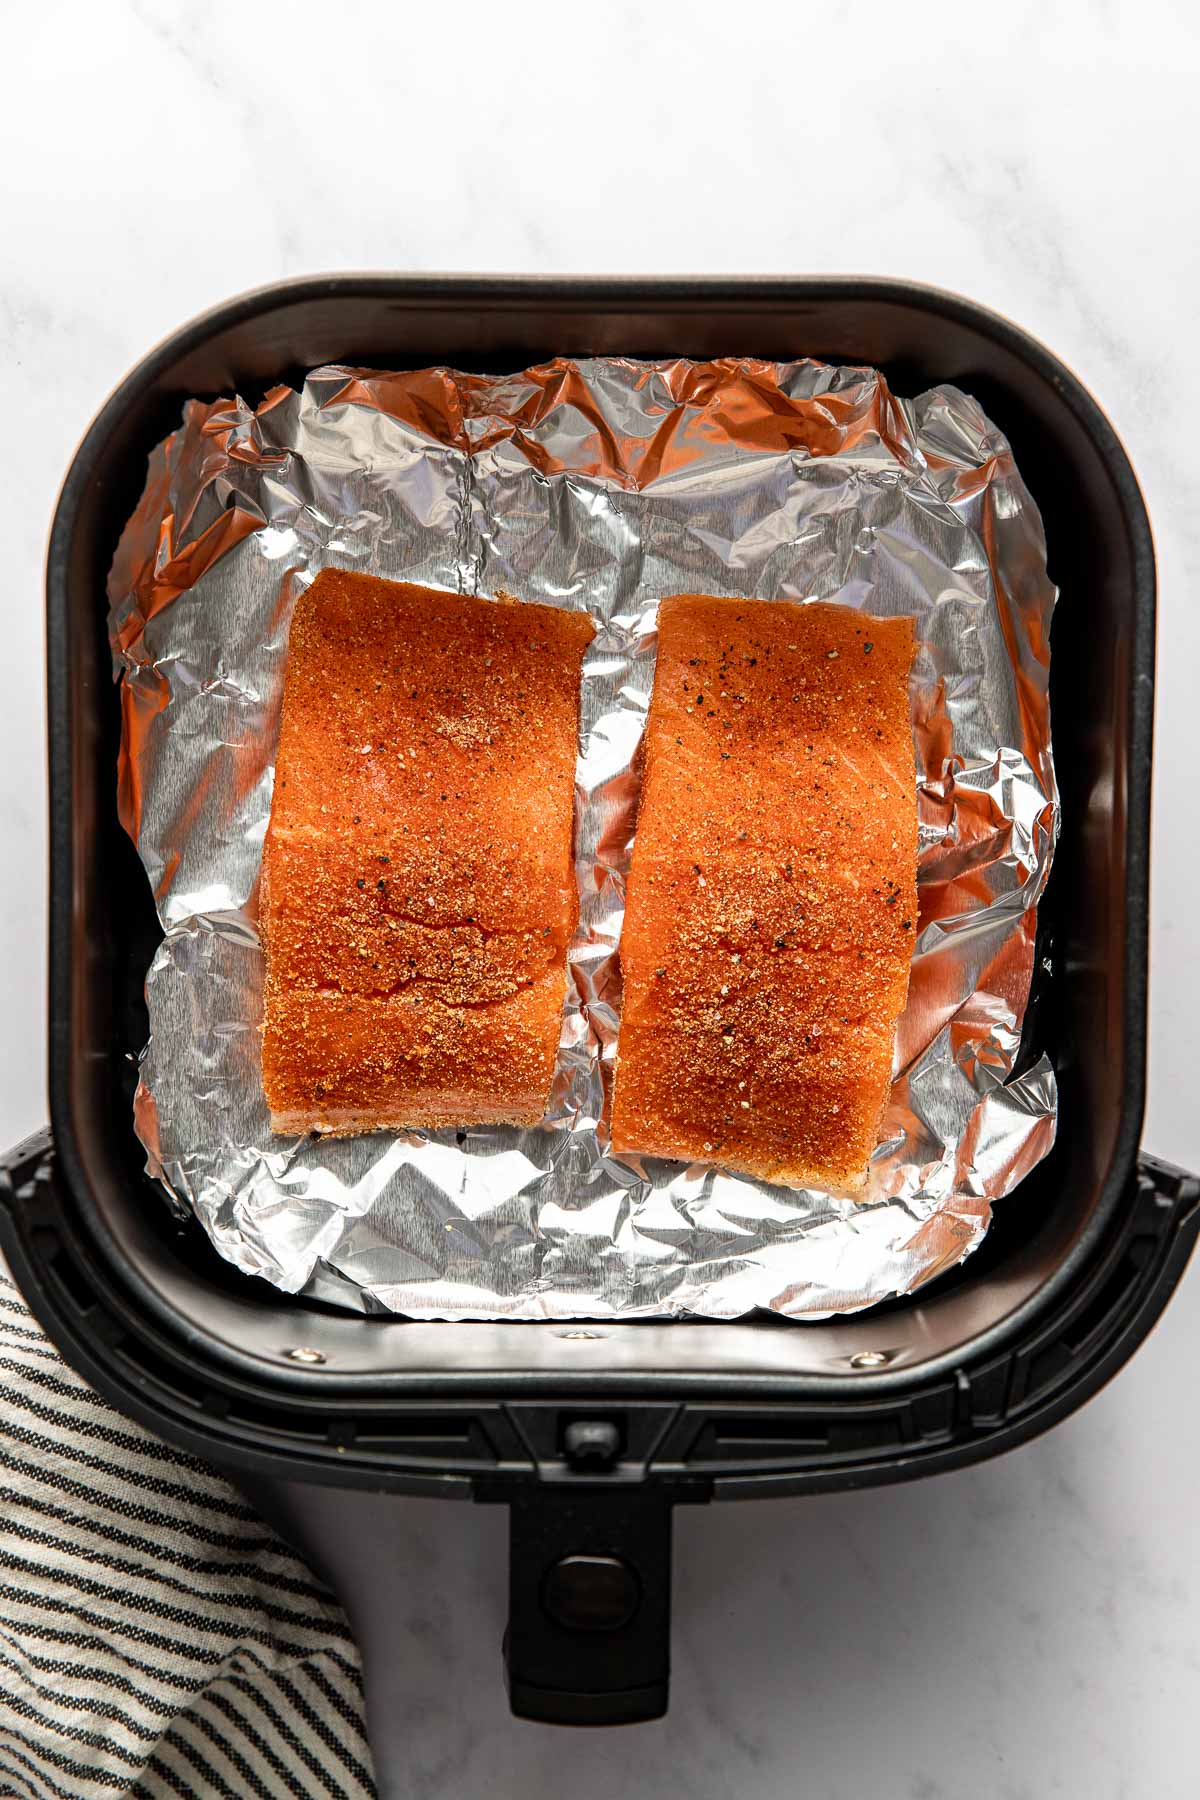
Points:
x=418 y=885
x=771 y=905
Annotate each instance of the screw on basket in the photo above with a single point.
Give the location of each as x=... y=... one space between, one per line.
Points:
x=304 y=1354
x=869 y=1359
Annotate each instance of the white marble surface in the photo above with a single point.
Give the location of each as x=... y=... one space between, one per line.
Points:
x=1028 y=1629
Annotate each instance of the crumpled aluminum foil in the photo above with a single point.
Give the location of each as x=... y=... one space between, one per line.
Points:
x=601 y=484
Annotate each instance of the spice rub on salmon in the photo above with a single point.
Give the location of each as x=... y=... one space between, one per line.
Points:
x=418 y=885
x=771 y=906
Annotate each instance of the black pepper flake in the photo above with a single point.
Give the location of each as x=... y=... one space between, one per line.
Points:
x=781 y=943
x=724 y=756
x=891 y=899
x=361 y=882
x=867 y=649
x=445 y=796
x=906 y=924
x=381 y=883
x=545 y=931
x=699 y=699
x=660 y=973
x=357 y=820
x=385 y=859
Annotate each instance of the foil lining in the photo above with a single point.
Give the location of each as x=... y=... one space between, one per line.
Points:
x=601 y=485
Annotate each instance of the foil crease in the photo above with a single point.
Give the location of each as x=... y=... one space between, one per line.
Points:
x=602 y=485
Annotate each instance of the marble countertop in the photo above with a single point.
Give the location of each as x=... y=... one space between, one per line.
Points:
x=1028 y=1629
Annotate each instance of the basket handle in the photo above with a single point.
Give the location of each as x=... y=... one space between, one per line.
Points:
x=588 y=1639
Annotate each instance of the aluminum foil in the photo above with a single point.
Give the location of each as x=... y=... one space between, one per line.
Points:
x=601 y=485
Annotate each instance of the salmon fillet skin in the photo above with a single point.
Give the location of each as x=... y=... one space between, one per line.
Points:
x=418 y=884
x=771 y=905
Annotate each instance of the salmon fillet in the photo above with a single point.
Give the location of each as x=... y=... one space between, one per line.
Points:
x=771 y=905
x=418 y=885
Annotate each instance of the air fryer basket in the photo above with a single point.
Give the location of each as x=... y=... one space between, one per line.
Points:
x=591 y=1434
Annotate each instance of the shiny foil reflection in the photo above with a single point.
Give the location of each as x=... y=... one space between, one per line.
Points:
x=604 y=485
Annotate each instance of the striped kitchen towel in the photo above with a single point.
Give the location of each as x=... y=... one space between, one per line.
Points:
x=157 y=1639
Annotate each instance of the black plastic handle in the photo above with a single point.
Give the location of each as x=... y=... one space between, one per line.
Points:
x=588 y=1639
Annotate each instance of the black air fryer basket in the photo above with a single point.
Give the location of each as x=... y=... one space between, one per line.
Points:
x=591 y=1435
